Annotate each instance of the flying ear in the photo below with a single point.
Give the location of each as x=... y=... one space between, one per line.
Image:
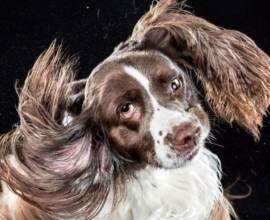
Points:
x=234 y=72
x=69 y=161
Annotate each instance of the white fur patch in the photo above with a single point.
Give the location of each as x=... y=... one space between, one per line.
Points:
x=186 y=193
x=9 y=201
x=67 y=119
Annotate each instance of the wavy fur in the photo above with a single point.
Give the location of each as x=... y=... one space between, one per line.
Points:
x=51 y=158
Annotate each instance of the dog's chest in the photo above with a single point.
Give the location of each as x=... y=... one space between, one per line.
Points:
x=180 y=194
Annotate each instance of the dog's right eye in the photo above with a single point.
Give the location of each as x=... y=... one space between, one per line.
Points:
x=127 y=110
x=126 y=107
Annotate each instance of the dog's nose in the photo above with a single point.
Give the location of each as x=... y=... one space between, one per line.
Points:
x=184 y=136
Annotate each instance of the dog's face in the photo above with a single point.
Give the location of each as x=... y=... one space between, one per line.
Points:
x=149 y=109
x=77 y=139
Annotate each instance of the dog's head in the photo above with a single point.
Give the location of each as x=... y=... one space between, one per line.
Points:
x=138 y=107
x=143 y=94
x=148 y=107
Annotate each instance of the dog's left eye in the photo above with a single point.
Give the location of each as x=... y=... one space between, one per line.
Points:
x=175 y=85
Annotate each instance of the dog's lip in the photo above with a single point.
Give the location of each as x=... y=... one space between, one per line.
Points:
x=186 y=146
x=190 y=155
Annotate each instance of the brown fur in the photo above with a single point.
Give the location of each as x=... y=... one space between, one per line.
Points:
x=48 y=155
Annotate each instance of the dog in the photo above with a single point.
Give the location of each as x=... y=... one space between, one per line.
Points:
x=127 y=143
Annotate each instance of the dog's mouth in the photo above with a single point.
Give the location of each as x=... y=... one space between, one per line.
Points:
x=189 y=150
x=189 y=153
x=181 y=158
x=192 y=153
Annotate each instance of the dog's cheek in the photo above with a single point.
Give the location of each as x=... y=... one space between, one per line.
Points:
x=148 y=149
x=124 y=140
x=143 y=151
x=137 y=146
x=119 y=135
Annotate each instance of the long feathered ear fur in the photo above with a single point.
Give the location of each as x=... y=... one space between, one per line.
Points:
x=70 y=162
x=234 y=72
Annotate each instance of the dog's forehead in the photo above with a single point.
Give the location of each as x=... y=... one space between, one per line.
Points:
x=131 y=76
x=151 y=64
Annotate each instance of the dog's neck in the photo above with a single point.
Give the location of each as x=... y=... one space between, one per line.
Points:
x=189 y=192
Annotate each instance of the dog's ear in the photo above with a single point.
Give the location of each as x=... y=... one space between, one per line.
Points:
x=234 y=72
x=69 y=161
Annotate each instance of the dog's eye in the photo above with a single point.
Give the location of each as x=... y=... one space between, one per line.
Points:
x=175 y=85
x=127 y=110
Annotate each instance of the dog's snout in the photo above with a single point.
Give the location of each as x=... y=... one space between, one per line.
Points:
x=184 y=136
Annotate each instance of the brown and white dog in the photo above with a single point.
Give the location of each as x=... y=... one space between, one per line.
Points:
x=127 y=143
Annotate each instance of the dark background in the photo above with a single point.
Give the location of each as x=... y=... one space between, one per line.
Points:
x=90 y=29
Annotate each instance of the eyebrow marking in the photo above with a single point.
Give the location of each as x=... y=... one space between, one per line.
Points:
x=134 y=73
x=144 y=81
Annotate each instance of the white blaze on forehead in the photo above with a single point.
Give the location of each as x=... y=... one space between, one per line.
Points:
x=134 y=73
x=162 y=121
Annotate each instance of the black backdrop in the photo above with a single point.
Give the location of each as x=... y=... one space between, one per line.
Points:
x=90 y=29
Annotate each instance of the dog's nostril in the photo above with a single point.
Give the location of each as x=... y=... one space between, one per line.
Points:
x=188 y=140
x=185 y=141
